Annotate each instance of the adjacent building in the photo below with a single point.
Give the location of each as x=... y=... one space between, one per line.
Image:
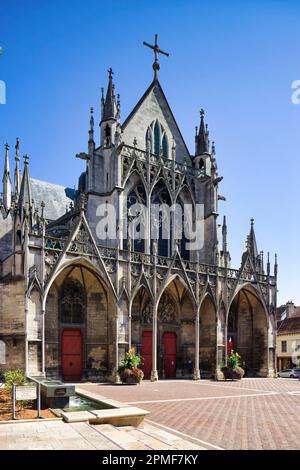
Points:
x=288 y=336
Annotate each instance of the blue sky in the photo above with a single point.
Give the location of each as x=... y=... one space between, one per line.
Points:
x=235 y=59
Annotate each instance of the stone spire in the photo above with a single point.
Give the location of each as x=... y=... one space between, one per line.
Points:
x=201 y=139
x=110 y=115
x=268 y=264
x=251 y=243
x=226 y=254
x=224 y=235
x=102 y=102
x=25 y=190
x=17 y=174
x=276 y=266
x=91 y=143
x=109 y=107
x=6 y=180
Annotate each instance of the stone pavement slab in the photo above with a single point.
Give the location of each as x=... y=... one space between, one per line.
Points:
x=83 y=436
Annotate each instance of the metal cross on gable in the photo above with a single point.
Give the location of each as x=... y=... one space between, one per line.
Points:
x=157 y=51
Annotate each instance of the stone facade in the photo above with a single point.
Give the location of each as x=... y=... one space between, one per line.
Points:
x=61 y=284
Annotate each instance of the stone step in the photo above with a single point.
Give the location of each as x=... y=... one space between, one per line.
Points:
x=123 y=439
x=142 y=436
x=148 y=437
x=173 y=440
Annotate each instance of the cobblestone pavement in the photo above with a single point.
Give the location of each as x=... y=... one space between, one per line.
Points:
x=248 y=414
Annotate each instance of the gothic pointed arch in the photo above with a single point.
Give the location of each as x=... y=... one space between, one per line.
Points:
x=157 y=137
x=76 y=311
x=186 y=210
x=176 y=313
x=81 y=243
x=247 y=330
x=161 y=226
x=157 y=140
x=136 y=204
x=165 y=146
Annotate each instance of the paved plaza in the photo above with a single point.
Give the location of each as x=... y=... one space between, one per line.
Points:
x=249 y=414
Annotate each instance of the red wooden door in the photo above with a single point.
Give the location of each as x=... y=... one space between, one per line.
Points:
x=169 y=343
x=147 y=353
x=72 y=355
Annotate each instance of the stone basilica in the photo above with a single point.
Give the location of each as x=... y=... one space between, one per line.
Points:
x=71 y=304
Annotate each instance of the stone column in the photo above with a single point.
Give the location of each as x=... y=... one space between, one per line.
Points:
x=129 y=325
x=43 y=343
x=120 y=223
x=26 y=337
x=196 y=375
x=154 y=375
x=115 y=372
x=148 y=226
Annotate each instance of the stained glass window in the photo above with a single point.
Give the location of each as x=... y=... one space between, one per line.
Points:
x=73 y=302
x=156 y=139
x=165 y=147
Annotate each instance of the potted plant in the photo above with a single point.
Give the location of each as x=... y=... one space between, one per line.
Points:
x=129 y=369
x=232 y=370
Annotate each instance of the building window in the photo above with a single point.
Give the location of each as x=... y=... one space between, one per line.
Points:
x=136 y=200
x=165 y=147
x=201 y=166
x=160 y=219
x=157 y=140
x=284 y=346
x=2 y=352
x=73 y=302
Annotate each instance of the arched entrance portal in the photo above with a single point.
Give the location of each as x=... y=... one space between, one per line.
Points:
x=76 y=326
x=247 y=331
x=141 y=328
x=176 y=332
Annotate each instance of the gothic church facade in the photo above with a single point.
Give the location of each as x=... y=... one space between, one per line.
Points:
x=71 y=304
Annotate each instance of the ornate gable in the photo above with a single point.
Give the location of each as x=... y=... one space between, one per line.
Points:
x=153 y=106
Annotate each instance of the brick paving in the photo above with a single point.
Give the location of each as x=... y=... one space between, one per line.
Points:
x=249 y=414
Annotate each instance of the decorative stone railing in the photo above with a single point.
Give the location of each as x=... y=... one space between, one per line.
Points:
x=129 y=153
x=56 y=245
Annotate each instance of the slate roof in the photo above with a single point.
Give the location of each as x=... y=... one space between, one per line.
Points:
x=55 y=197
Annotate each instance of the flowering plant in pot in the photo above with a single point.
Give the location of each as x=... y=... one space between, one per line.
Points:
x=129 y=369
x=232 y=370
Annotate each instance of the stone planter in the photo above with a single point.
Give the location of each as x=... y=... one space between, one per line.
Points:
x=236 y=373
x=128 y=377
x=129 y=380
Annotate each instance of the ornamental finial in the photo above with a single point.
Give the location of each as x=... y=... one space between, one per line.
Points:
x=157 y=51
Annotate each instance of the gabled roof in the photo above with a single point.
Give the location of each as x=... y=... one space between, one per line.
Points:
x=289 y=325
x=154 y=84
